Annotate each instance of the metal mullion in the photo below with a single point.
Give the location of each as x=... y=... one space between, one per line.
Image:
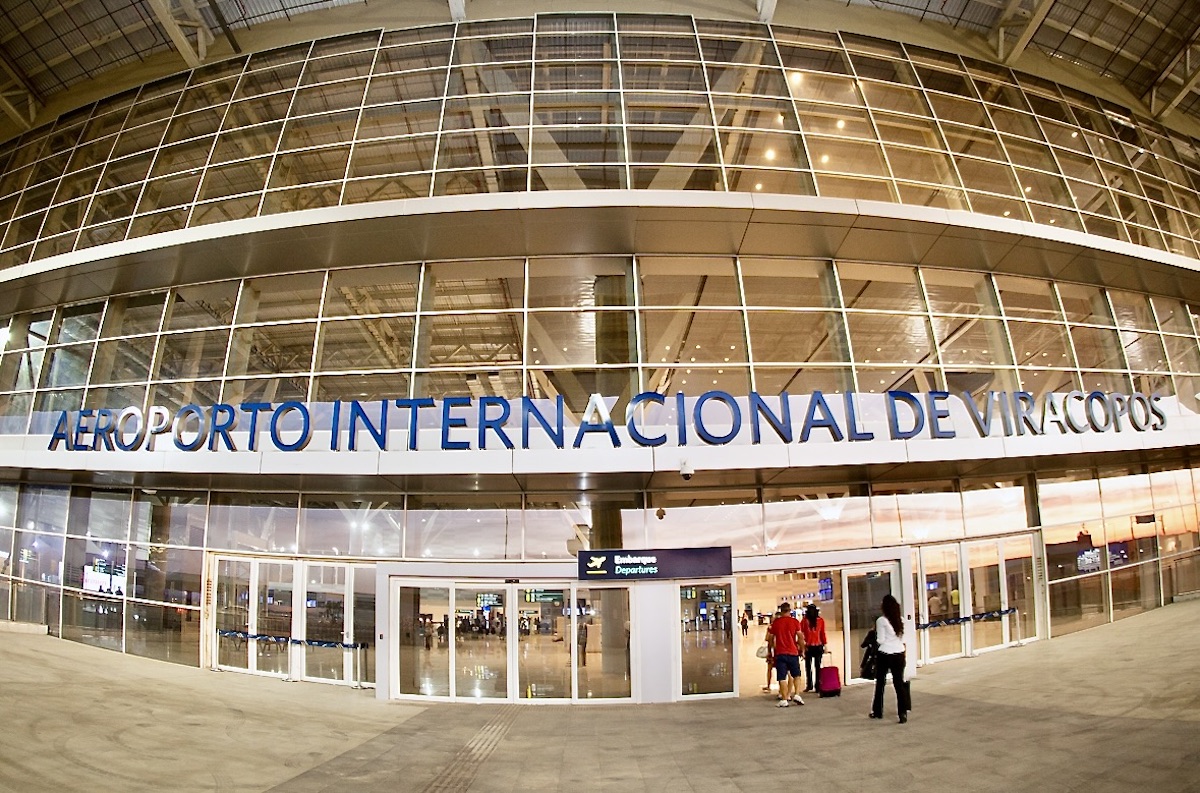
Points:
x=287 y=117
x=638 y=319
x=441 y=131
x=741 y=290
x=153 y=160
x=1066 y=324
x=933 y=336
x=1008 y=342
x=795 y=113
x=532 y=93
x=212 y=149
x=418 y=323
x=711 y=107
x=621 y=101
x=887 y=163
x=358 y=121
x=317 y=335
x=1128 y=371
x=524 y=363
x=841 y=310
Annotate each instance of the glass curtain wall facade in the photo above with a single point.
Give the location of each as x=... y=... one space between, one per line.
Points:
x=585 y=102
x=574 y=103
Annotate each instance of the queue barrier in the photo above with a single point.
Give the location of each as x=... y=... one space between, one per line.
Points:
x=287 y=641
x=983 y=615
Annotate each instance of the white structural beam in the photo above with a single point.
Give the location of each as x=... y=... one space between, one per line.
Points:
x=1019 y=24
x=458 y=10
x=176 y=18
x=766 y=9
x=1173 y=83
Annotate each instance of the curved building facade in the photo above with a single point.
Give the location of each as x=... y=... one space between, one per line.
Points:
x=346 y=361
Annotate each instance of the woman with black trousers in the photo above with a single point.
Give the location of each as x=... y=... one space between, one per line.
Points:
x=889 y=629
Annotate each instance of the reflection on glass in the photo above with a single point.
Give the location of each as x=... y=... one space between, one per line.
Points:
x=941 y=599
x=481 y=645
x=984 y=574
x=273 y=617
x=325 y=621
x=864 y=593
x=706 y=616
x=166 y=633
x=424 y=641
x=544 y=623
x=602 y=640
x=94 y=621
x=233 y=612
x=1078 y=604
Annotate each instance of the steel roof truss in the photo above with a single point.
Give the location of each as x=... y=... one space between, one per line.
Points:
x=175 y=20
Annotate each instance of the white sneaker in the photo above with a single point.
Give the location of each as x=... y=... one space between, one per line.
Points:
x=797 y=700
x=783 y=703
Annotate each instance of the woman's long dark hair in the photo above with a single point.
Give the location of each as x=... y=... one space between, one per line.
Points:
x=891 y=610
x=810 y=614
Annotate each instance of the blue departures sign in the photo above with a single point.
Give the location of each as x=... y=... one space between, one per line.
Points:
x=639 y=565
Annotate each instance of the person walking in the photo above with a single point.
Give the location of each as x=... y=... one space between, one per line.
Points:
x=784 y=635
x=812 y=627
x=889 y=631
x=745 y=624
x=770 y=656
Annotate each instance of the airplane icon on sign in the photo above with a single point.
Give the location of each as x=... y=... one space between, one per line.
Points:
x=596 y=565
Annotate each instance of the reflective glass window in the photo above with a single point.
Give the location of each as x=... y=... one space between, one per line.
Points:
x=879 y=287
x=666 y=281
x=890 y=338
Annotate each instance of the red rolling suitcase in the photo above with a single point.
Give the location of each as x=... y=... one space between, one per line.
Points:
x=831 y=681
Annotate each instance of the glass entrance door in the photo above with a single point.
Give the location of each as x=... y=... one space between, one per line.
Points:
x=864 y=590
x=706 y=617
x=325 y=622
x=504 y=641
x=480 y=643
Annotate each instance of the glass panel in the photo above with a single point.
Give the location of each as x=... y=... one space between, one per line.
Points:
x=94 y=621
x=581 y=338
x=272 y=349
x=1022 y=589
x=167 y=575
x=1078 y=604
x=364 y=621
x=273 y=616
x=1097 y=348
x=43 y=508
x=253 y=522
x=1027 y=298
x=450 y=527
x=202 y=306
x=470 y=339
x=604 y=636
x=481 y=645
x=424 y=661
x=136 y=314
x=780 y=336
x=984 y=564
x=810 y=519
x=325 y=620
x=123 y=360
x=706 y=615
x=192 y=355
x=99 y=513
x=890 y=338
x=864 y=593
x=166 y=633
x=233 y=612
x=941 y=578
x=788 y=283
x=351 y=527
x=879 y=287
x=543 y=656
x=688 y=281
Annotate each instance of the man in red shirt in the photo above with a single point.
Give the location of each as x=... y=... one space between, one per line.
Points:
x=783 y=636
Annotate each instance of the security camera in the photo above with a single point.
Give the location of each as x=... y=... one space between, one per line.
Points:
x=686 y=470
x=660 y=513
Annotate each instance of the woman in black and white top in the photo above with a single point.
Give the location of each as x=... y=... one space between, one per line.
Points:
x=889 y=630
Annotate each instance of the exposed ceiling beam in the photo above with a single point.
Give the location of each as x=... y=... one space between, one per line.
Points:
x=19 y=106
x=1163 y=100
x=1015 y=16
x=766 y=9
x=458 y=10
x=173 y=23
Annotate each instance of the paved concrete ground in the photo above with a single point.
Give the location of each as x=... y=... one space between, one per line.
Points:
x=1115 y=708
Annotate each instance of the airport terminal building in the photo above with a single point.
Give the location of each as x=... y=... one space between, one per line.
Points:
x=514 y=353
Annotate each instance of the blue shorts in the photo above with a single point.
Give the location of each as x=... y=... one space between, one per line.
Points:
x=787 y=665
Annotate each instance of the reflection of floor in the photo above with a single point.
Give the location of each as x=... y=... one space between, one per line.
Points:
x=543 y=668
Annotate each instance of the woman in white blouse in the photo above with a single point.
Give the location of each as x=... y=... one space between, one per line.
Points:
x=889 y=633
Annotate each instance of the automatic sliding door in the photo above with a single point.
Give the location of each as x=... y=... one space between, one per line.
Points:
x=481 y=646
x=602 y=637
x=273 y=616
x=864 y=593
x=986 y=594
x=424 y=630
x=706 y=618
x=543 y=627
